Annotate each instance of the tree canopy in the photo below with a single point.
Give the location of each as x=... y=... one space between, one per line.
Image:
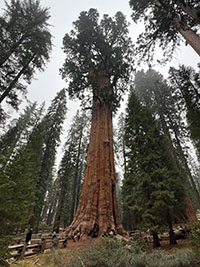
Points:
x=25 y=45
x=95 y=46
x=165 y=22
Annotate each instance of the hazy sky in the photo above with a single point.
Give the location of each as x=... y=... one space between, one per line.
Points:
x=63 y=13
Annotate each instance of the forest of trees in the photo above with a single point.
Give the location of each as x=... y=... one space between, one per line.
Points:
x=156 y=141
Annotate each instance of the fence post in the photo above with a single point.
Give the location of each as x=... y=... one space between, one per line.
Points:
x=43 y=245
x=21 y=257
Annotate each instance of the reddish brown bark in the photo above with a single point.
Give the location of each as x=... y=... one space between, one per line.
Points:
x=192 y=38
x=190 y=211
x=97 y=212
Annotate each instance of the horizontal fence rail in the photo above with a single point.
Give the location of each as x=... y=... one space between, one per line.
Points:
x=39 y=245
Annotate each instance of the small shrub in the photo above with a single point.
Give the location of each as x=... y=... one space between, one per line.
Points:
x=44 y=227
x=4 y=252
x=139 y=244
x=109 y=252
x=195 y=237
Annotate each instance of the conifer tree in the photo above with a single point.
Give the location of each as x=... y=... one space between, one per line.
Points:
x=18 y=186
x=71 y=171
x=186 y=81
x=18 y=132
x=151 y=187
x=165 y=23
x=98 y=63
x=154 y=92
x=25 y=45
x=52 y=126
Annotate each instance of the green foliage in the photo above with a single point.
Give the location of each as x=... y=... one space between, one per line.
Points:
x=163 y=20
x=4 y=252
x=25 y=45
x=44 y=227
x=185 y=81
x=151 y=188
x=195 y=237
x=139 y=244
x=51 y=128
x=71 y=170
x=17 y=133
x=94 y=48
x=166 y=106
x=112 y=253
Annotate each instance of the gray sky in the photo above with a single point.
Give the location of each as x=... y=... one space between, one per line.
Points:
x=63 y=13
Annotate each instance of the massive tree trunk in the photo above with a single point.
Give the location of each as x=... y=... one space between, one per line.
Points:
x=97 y=212
x=191 y=11
x=192 y=38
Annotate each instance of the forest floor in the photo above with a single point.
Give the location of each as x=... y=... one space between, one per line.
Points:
x=48 y=258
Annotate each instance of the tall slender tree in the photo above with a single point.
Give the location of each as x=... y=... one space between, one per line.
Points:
x=165 y=22
x=18 y=132
x=18 y=186
x=52 y=126
x=185 y=82
x=24 y=47
x=98 y=62
x=70 y=173
x=154 y=92
x=151 y=187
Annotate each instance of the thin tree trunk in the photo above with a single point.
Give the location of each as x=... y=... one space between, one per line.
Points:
x=190 y=211
x=6 y=56
x=59 y=209
x=156 y=242
x=172 y=239
x=14 y=81
x=185 y=162
x=97 y=213
x=75 y=182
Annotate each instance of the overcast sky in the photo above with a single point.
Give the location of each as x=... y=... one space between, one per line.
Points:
x=63 y=13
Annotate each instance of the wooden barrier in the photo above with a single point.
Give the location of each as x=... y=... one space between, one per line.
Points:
x=19 y=251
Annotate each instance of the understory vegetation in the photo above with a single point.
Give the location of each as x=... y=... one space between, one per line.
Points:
x=114 y=253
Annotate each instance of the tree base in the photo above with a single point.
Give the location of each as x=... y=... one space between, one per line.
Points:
x=85 y=231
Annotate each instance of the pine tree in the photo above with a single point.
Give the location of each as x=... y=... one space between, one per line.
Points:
x=71 y=171
x=165 y=23
x=52 y=126
x=186 y=81
x=151 y=187
x=98 y=58
x=24 y=46
x=154 y=92
x=18 y=186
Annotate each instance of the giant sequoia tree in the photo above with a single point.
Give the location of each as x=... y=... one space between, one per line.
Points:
x=165 y=22
x=98 y=62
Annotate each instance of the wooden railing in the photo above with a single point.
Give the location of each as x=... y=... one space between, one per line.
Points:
x=19 y=251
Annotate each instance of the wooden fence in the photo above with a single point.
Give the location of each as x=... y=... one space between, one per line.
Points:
x=19 y=251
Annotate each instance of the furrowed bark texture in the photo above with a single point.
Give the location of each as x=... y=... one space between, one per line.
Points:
x=97 y=212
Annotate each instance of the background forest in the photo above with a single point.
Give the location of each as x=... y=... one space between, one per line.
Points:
x=43 y=149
